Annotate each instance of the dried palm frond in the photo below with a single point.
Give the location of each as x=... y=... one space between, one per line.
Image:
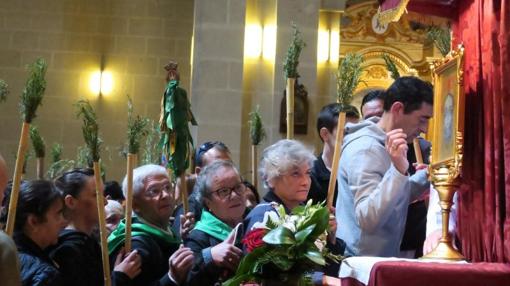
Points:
x=37 y=142
x=59 y=167
x=4 y=90
x=257 y=132
x=391 y=67
x=441 y=37
x=348 y=77
x=90 y=128
x=32 y=95
x=56 y=152
x=137 y=129
x=292 y=59
x=151 y=151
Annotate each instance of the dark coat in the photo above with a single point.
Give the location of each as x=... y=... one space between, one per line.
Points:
x=80 y=260
x=320 y=182
x=36 y=267
x=204 y=271
x=154 y=254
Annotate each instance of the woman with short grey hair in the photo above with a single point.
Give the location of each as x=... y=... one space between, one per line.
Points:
x=285 y=169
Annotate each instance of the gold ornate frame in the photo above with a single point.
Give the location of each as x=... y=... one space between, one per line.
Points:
x=449 y=104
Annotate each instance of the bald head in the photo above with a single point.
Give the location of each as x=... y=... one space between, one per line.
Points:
x=3 y=177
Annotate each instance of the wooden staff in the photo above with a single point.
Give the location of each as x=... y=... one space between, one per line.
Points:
x=336 y=158
x=290 y=107
x=184 y=193
x=417 y=151
x=102 y=223
x=20 y=159
x=40 y=168
x=131 y=163
x=254 y=165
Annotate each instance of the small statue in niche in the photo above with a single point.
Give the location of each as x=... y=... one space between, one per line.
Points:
x=300 y=110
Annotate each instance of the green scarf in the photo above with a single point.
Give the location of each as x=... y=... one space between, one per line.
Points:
x=139 y=227
x=214 y=227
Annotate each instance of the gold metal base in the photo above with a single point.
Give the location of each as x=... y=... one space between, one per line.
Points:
x=445 y=251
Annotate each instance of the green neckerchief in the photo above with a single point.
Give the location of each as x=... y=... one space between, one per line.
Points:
x=139 y=227
x=214 y=227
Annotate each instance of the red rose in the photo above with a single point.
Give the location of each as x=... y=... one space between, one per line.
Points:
x=253 y=239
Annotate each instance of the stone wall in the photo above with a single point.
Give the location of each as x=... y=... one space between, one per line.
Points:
x=136 y=38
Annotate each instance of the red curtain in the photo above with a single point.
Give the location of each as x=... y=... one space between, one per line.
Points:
x=483 y=27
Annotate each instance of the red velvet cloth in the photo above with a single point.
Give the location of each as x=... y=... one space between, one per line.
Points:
x=484 y=210
x=438 y=274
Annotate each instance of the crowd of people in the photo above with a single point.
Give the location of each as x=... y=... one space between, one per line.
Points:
x=379 y=204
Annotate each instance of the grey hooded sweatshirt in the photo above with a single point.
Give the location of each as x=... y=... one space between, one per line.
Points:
x=373 y=195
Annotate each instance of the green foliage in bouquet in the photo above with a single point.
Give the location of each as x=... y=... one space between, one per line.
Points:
x=257 y=132
x=285 y=246
x=292 y=59
x=37 y=142
x=391 y=67
x=4 y=90
x=35 y=86
x=348 y=77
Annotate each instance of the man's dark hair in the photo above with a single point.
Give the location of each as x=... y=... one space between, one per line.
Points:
x=372 y=95
x=411 y=91
x=114 y=190
x=220 y=146
x=328 y=116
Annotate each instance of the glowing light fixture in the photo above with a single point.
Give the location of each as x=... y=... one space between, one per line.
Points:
x=328 y=44
x=101 y=83
x=260 y=41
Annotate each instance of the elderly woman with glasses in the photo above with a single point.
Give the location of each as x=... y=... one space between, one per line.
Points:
x=285 y=171
x=214 y=240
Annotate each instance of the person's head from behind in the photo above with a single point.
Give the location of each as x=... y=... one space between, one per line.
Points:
x=372 y=104
x=39 y=212
x=327 y=121
x=209 y=152
x=408 y=102
x=220 y=189
x=114 y=212
x=78 y=188
x=285 y=169
x=153 y=198
x=113 y=191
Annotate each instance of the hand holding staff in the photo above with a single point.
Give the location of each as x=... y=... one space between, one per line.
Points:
x=90 y=131
x=31 y=98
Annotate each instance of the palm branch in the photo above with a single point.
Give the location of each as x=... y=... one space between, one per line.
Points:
x=37 y=142
x=56 y=152
x=137 y=129
x=90 y=128
x=292 y=59
x=257 y=132
x=441 y=37
x=35 y=86
x=348 y=77
x=391 y=67
x=152 y=151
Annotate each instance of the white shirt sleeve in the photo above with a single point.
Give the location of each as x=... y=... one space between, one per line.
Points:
x=434 y=218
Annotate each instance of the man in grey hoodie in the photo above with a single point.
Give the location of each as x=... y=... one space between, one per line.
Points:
x=374 y=186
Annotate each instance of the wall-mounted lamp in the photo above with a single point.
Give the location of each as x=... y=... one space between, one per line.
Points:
x=260 y=41
x=328 y=45
x=101 y=82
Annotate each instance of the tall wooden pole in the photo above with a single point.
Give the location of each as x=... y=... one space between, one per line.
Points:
x=131 y=163
x=102 y=224
x=254 y=165
x=290 y=107
x=336 y=157
x=417 y=151
x=18 y=170
x=40 y=168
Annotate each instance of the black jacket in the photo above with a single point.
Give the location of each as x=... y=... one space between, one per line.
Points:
x=80 y=260
x=154 y=253
x=204 y=271
x=36 y=268
x=320 y=182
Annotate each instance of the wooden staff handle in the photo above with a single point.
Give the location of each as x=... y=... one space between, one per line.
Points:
x=102 y=224
x=417 y=151
x=290 y=107
x=131 y=162
x=184 y=193
x=254 y=165
x=336 y=158
x=18 y=170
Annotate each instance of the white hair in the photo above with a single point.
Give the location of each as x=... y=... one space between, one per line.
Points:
x=282 y=157
x=114 y=207
x=140 y=174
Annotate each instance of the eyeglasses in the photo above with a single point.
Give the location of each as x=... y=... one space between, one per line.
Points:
x=224 y=193
x=204 y=148
x=157 y=191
